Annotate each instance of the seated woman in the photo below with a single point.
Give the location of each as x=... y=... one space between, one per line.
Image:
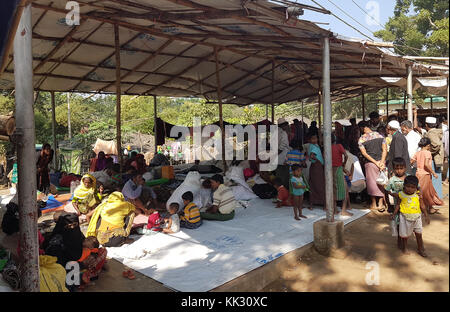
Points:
x=86 y=197
x=112 y=221
x=224 y=203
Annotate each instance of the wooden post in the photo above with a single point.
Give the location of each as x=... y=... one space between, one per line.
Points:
x=155 y=121
x=273 y=92
x=387 y=102
x=431 y=104
x=320 y=108
x=363 y=102
x=55 y=144
x=219 y=96
x=410 y=93
x=26 y=161
x=118 y=97
x=68 y=116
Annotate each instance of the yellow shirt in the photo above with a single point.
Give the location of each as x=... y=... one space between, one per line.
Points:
x=410 y=204
x=191 y=213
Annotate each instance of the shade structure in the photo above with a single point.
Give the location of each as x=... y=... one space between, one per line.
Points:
x=167 y=48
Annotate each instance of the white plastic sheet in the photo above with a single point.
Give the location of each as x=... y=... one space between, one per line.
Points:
x=217 y=252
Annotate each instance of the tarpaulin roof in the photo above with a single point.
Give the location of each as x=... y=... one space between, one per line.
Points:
x=167 y=48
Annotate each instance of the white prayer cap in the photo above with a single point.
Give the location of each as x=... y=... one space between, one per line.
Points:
x=430 y=120
x=394 y=124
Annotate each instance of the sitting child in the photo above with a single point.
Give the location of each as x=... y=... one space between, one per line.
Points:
x=190 y=216
x=172 y=223
x=283 y=198
x=92 y=260
x=153 y=223
x=411 y=207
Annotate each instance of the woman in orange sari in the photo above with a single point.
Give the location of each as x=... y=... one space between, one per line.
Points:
x=424 y=173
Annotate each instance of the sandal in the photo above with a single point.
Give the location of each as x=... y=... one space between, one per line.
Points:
x=128 y=274
x=383 y=209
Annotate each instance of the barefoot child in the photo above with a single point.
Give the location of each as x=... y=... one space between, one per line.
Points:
x=395 y=185
x=298 y=188
x=283 y=198
x=410 y=218
x=172 y=223
x=153 y=223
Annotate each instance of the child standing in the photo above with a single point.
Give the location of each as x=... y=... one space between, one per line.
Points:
x=283 y=198
x=190 y=217
x=395 y=186
x=316 y=174
x=339 y=188
x=172 y=223
x=424 y=172
x=298 y=189
x=411 y=206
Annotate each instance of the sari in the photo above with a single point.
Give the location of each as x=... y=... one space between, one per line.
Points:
x=113 y=218
x=316 y=177
x=86 y=198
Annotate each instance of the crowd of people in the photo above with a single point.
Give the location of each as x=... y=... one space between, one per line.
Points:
x=397 y=166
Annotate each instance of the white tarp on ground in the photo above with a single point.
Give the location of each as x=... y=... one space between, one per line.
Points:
x=217 y=252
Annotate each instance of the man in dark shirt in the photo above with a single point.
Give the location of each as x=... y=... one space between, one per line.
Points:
x=398 y=148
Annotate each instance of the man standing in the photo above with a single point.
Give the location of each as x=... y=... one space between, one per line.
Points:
x=413 y=138
x=437 y=151
x=398 y=148
x=283 y=148
x=375 y=121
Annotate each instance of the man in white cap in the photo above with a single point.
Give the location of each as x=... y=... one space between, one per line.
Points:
x=413 y=138
x=398 y=148
x=283 y=149
x=437 y=151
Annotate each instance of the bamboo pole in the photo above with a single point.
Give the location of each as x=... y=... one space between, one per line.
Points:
x=273 y=91
x=363 y=102
x=327 y=120
x=387 y=102
x=25 y=134
x=55 y=144
x=431 y=104
x=410 y=93
x=118 y=97
x=219 y=97
x=68 y=116
x=155 y=121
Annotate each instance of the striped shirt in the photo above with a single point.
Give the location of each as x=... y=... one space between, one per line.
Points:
x=295 y=157
x=224 y=199
x=191 y=213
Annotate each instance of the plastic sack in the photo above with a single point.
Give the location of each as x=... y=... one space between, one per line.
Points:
x=52 y=275
x=382 y=178
x=394 y=228
x=191 y=183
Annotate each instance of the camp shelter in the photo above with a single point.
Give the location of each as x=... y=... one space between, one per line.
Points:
x=232 y=51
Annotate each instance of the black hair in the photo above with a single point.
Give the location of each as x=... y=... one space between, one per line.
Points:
x=46 y=146
x=398 y=161
x=175 y=205
x=277 y=181
x=94 y=241
x=424 y=142
x=295 y=167
x=411 y=180
x=188 y=196
x=116 y=168
x=333 y=138
x=206 y=184
x=217 y=178
x=363 y=124
x=374 y=115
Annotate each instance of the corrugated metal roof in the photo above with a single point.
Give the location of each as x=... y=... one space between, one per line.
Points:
x=167 y=48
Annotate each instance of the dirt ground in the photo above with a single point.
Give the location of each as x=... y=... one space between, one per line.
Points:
x=369 y=239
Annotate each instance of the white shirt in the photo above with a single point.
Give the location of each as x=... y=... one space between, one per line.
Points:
x=413 y=139
x=446 y=143
x=283 y=145
x=357 y=169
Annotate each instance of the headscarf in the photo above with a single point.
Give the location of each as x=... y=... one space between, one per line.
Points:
x=314 y=148
x=66 y=244
x=113 y=211
x=86 y=196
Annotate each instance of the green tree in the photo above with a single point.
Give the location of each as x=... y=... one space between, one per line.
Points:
x=425 y=28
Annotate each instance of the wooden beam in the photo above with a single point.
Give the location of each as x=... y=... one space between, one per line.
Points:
x=118 y=97
x=219 y=97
